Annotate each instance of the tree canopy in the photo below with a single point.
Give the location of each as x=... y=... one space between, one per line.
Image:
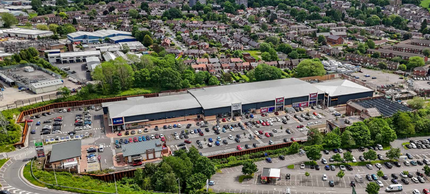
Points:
x=310 y=67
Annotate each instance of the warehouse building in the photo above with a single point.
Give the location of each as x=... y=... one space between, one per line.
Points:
x=46 y=86
x=221 y=101
x=72 y=57
x=26 y=33
x=95 y=37
x=92 y=63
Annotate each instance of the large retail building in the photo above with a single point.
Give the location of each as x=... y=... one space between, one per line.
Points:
x=210 y=102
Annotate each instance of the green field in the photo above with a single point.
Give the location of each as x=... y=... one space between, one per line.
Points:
x=256 y=53
x=425 y=4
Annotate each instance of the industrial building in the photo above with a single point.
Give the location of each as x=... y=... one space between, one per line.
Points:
x=72 y=57
x=46 y=86
x=26 y=33
x=374 y=107
x=92 y=63
x=95 y=37
x=210 y=102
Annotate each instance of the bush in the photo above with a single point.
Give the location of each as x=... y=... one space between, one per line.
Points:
x=290 y=166
x=242 y=177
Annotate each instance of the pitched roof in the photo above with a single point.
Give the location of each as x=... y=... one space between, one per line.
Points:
x=141 y=147
x=66 y=150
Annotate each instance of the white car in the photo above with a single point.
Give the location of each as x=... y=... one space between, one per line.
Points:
x=302 y=166
x=369 y=166
x=340 y=150
x=230 y=136
x=415 y=180
x=416 y=191
x=324 y=177
x=324 y=161
x=353 y=159
x=342 y=167
x=179 y=125
x=139 y=131
x=379 y=166
x=256 y=132
x=407 y=163
x=380 y=183
x=403 y=175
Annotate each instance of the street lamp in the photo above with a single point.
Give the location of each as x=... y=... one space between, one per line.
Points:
x=179 y=186
x=114 y=179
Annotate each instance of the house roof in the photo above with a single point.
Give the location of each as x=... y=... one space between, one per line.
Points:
x=66 y=150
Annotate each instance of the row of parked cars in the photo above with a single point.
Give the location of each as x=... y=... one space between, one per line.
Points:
x=419 y=144
x=49 y=126
x=136 y=139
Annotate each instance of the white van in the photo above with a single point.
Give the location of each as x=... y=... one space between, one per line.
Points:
x=358 y=178
x=395 y=187
x=101 y=148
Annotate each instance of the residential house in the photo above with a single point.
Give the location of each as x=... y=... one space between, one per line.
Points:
x=334 y=40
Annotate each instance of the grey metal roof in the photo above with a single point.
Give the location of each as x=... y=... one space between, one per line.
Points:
x=47 y=83
x=341 y=87
x=66 y=150
x=223 y=96
x=141 y=147
x=141 y=106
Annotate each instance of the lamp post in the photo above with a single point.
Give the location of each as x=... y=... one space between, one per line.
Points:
x=114 y=179
x=179 y=186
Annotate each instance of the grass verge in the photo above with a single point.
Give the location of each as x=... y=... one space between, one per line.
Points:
x=27 y=175
x=404 y=144
x=290 y=166
x=387 y=147
x=2 y=161
x=243 y=177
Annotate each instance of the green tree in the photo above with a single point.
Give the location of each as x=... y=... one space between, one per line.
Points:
x=53 y=28
x=310 y=67
x=65 y=92
x=370 y=44
x=293 y=54
x=8 y=20
x=403 y=67
x=294 y=148
x=265 y=47
x=147 y=41
x=347 y=139
x=332 y=140
x=42 y=27
x=249 y=168
x=170 y=79
x=393 y=153
x=360 y=132
x=36 y=4
x=285 y=48
x=337 y=158
x=377 y=55
x=380 y=173
x=195 y=182
x=314 y=137
x=322 y=40
x=348 y=156
x=273 y=54
x=361 y=48
x=403 y=124
x=205 y=166
x=266 y=56
x=416 y=103
x=273 y=40
x=247 y=28
x=340 y=174
x=251 y=19
x=386 y=136
x=265 y=72
x=372 y=188
x=313 y=152
x=426 y=52
x=427 y=170
x=370 y=155
x=307 y=174
x=415 y=61
x=133 y=13
x=213 y=81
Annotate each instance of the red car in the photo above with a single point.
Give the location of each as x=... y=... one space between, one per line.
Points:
x=315 y=113
x=238 y=147
x=187 y=141
x=292 y=139
x=135 y=139
x=260 y=132
x=119 y=134
x=267 y=123
x=201 y=134
x=276 y=113
x=300 y=126
x=426 y=191
x=130 y=140
x=163 y=139
x=137 y=163
x=258 y=122
x=223 y=120
x=263 y=123
x=30 y=120
x=262 y=114
x=267 y=134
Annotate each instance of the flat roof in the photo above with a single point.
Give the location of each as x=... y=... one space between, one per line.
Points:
x=66 y=150
x=341 y=87
x=27 y=31
x=142 y=106
x=76 y=54
x=47 y=83
x=247 y=93
x=138 y=148
x=116 y=38
x=99 y=33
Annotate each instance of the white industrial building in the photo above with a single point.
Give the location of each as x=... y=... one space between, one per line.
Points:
x=109 y=56
x=72 y=57
x=46 y=86
x=26 y=33
x=92 y=63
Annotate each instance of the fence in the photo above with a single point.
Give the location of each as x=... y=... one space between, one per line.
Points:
x=23 y=137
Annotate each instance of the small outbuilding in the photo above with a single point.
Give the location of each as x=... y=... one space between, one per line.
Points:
x=270 y=175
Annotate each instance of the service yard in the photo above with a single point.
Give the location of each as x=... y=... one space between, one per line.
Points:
x=378 y=78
